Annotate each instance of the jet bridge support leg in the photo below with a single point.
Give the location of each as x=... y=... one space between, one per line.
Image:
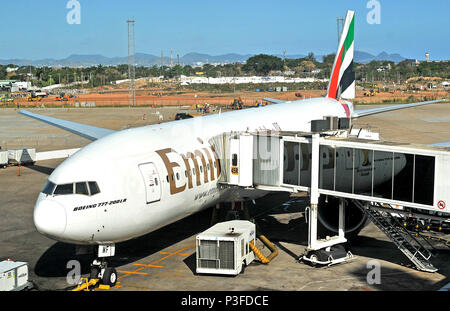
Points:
x=324 y=251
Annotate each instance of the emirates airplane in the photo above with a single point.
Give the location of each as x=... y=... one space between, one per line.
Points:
x=128 y=183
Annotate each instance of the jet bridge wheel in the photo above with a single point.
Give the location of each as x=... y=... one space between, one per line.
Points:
x=313 y=257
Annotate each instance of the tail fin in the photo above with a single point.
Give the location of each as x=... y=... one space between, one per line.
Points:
x=342 y=80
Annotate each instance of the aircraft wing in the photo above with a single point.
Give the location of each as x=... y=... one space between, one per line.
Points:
x=446 y=144
x=87 y=131
x=274 y=101
x=368 y=112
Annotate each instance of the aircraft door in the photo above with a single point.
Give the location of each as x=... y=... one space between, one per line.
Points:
x=152 y=182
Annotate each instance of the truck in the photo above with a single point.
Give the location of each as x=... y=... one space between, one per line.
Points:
x=5 y=98
x=237 y=104
x=63 y=97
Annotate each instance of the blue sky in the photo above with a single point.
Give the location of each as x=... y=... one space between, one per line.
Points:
x=38 y=29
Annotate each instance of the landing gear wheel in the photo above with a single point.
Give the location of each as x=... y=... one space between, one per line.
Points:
x=109 y=277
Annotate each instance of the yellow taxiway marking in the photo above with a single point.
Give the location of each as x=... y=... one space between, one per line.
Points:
x=181 y=254
x=132 y=272
x=149 y=265
x=153 y=264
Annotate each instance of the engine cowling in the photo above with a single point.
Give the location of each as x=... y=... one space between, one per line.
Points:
x=328 y=217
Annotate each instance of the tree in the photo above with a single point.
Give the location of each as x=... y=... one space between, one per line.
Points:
x=329 y=59
x=311 y=57
x=3 y=72
x=263 y=64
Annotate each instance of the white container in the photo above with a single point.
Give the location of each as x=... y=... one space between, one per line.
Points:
x=3 y=158
x=22 y=156
x=13 y=275
x=224 y=248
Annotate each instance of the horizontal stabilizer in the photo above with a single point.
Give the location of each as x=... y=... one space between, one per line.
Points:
x=87 y=131
x=274 y=101
x=368 y=112
x=446 y=144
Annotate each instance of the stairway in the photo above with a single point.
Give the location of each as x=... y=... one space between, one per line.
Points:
x=405 y=241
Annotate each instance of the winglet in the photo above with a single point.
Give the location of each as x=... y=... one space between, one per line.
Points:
x=342 y=80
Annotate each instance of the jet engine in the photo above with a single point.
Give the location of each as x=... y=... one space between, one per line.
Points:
x=328 y=216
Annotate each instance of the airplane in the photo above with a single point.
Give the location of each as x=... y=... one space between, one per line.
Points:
x=128 y=183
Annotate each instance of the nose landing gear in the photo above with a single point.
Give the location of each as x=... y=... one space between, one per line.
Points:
x=101 y=271
x=101 y=275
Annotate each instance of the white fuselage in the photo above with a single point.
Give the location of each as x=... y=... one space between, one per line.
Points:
x=154 y=175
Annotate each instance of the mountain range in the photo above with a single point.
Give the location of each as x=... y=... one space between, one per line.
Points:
x=142 y=59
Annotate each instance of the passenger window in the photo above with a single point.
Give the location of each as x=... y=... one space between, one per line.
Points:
x=178 y=176
x=64 y=189
x=81 y=188
x=156 y=181
x=234 y=160
x=93 y=187
x=201 y=169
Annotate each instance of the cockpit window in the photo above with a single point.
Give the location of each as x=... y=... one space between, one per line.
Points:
x=64 y=189
x=84 y=188
x=81 y=188
x=93 y=187
x=48 y=188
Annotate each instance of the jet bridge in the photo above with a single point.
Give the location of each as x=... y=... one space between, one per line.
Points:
x=374 y=174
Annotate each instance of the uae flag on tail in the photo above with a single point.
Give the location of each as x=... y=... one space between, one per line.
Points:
x=342 y=80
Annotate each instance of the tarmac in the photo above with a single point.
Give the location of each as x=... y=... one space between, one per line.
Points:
x=164 y=260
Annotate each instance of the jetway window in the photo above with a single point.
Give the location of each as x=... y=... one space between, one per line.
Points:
x=81 y=188
x=363 y=171
x=403 y=177
x=234 y=161
x=64 y=189
x=326 y=167
x=93 y=187
x=305 y=165
x=382 y=174
x=424 y=179
x=291 y=163
x=344 y=170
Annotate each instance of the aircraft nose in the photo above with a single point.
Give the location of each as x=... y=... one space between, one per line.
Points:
x=49 y=218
